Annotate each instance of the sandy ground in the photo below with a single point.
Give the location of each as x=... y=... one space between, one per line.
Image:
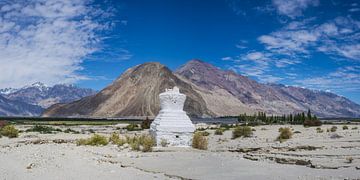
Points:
x=308 y=155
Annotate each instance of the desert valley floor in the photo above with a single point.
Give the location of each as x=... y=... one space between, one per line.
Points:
x=308 y=155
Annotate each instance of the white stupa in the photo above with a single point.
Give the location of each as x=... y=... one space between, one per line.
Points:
x=172 y=125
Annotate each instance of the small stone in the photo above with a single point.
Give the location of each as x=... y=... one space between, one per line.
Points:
x=30 y=166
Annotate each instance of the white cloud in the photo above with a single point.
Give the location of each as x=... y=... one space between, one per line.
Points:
x=47 y=40
x=227 y=58
x=343 y=79
x=354 y=9
x=338 y=37
x=255 y=56
x=293 y=8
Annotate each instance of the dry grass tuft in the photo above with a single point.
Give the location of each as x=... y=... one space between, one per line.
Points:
x=9 y=131
x=95 y=140
x=285 y=133
x=244 y=131
x=199 y=141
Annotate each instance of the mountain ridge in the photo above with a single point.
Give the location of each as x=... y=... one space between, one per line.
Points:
x=271 y=98
x=211 y=92
x=31 y=100
x=134 y=93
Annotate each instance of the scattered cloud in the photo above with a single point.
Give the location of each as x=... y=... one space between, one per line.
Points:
x=47 y=40
x=242 y=44
x=339 y=37
x=227 y=58
x=293 y=8
x=344 y=78
x=255 y=64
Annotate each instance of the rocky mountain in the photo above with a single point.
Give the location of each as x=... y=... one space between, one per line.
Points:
x=210 y=92
x=18 y=108
x=41 y=95
x=135 y=93
x=272 y=98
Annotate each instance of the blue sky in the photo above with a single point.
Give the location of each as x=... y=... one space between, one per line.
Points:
x=307 y=43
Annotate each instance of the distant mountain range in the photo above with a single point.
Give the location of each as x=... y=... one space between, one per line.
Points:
x=31 y=100
x=210 y=91
x=226 y=93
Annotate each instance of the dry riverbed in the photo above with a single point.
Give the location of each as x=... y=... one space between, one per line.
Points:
x=308 y=155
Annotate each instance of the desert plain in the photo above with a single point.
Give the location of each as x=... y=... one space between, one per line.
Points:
x=309 y=154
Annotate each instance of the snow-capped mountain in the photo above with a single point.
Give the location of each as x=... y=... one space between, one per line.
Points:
x=42 y=96
x=7 y=91
x=17 y=108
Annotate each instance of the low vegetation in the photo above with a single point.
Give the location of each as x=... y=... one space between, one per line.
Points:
x=43 y=129
x=312 y=122
x=95 y=140
x=349 y=159
x=164 y=143
x=116 y=139
x=9 y=131
x=345 y=127
x=133 y=127
x=146 y=123
x=199 y=141
x=219 y=131
x=285 y=133
x=226 y=126
x=354 y=128
x=68 y=130
x=333 y=129
x=319 y=130
x=143 y=143
x=242 y=131
x=204 y=133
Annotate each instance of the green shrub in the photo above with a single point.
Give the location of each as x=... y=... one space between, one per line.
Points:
x=204 y=133
x=68 y=130
x=115 y=139
x=280 y=129
x=199 y=141
x=9 y=131
x=146 y=123
x=201 y=129
x=242 y=131
x=354 y=128
x=226 y=126
x=345 y=127
x=43 y=129
x=285 y=134
x=95 y=140
x=132 y=127
x=319 y=130
x=218 y=132
x=309 y=123
x=333 y=129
